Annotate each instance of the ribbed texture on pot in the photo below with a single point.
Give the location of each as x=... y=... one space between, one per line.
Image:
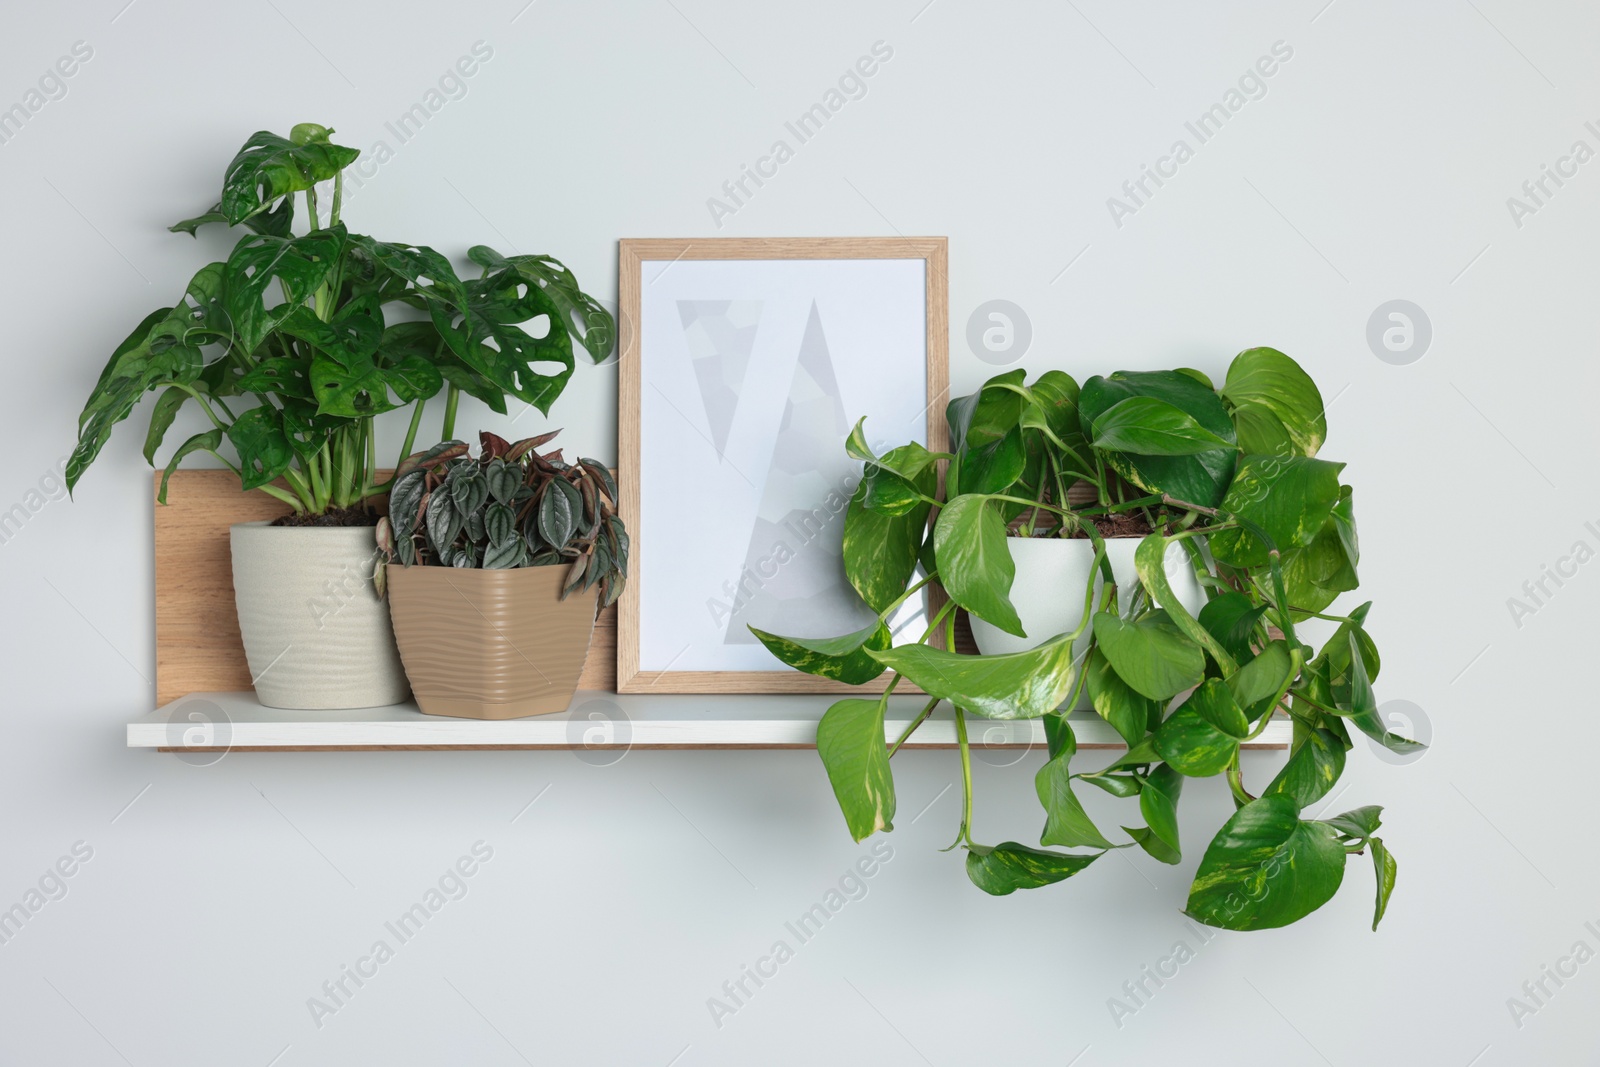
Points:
x=490 y=644
x=315 y=634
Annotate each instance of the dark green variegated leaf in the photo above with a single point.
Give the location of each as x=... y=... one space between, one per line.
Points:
x=1198 y=479
x=851 y=743
x=1118 y=785
x=1266 y=868
x=846 y=659
x=1311 y=771
x=405 y=503
x=880 y=550
x=1158 y=849
x=1150 y=560
x=208 y=441
x=1231 y=618
x=503 y=479
x=1066 y=823
x=1315 y=575
x=984 y=417
x=503 y=555
x=499 y=522
x=558 y=513
x=1362 y=705
x=1262 y=679
x=1151 y=655
x=1158 y=803
x=1384 y=864
x=1148 y=426
x=993 y=467
x=1129 y=712
x=1359 y=823
x=1289 y=497
x=1007 y=867
x=1193 y=746
x=969 y=546
x=1017 y=685
x=264 y=451
x=469 y=489
x=443 y=520
x=1055 y=406
x=1276 y=406
x=884 y=491
x=1214 y=702
x=1137 y=755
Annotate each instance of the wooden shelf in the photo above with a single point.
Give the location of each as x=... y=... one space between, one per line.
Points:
x=598 y=721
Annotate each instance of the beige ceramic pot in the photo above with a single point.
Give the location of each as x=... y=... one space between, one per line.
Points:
x=490 y=644
x=316 y=635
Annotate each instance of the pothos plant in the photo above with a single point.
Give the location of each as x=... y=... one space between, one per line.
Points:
x=508 y=507
x=1230 y=474
x=299 y=324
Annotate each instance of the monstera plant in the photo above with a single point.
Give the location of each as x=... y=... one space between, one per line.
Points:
x=288 y=349
x=1214 y=488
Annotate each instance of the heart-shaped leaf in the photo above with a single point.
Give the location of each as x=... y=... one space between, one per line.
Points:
x=1266 y=868
x=851 y=742
x=1008 y=867
x=969 y=546
x=1151 y=655
x=1017 y=685
x=845 y=658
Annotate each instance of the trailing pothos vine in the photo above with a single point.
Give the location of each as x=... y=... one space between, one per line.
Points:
x=1227 y=474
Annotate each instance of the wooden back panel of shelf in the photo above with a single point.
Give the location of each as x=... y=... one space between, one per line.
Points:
x=198 y=648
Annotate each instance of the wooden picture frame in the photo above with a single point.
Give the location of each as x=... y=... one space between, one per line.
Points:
x=662 y=256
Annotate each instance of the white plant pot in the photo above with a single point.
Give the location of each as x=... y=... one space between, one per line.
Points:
x=316 y=635
x=1051 y=576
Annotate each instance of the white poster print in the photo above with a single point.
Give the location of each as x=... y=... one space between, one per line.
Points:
x=753 y=373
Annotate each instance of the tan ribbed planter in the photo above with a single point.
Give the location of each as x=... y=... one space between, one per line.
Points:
x=490 y=644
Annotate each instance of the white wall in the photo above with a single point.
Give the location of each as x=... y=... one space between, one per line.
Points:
x=1376 y=167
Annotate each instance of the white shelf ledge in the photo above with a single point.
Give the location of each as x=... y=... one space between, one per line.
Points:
x=597 y=721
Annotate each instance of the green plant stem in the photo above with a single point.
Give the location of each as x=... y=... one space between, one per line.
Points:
x=927 y=709
x=338 y=197
x=370 y=474
x=411 y=431
x=961 y=740
x=451 y=400
x=966 y=778
x=1283 y=691
x=1236 y=782
x=314 y=478
x=205 y=405
x=903 y=597
x=939 y=617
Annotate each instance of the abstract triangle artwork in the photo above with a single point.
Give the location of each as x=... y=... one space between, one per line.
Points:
x=793 y=578
x=720 y=335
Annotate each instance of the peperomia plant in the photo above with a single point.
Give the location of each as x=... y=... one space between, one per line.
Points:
x=298 y=324
x=1228 y=473
x=508 y=507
